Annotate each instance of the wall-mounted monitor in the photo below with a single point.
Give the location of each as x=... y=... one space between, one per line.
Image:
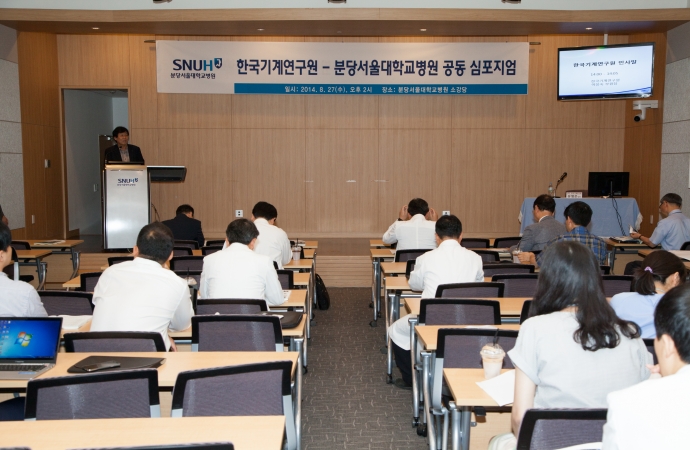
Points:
x=608 y=184
x=606 y=72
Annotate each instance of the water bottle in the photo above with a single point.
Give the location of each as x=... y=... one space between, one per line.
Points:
x=551 y=191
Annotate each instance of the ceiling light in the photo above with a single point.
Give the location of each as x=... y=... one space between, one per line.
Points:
x=337 y=1
x=588 y=28
x=162 y=1
x=95 y=28
x=259 y=29
x=512 y=2
x=339 y=32
x=422 y=29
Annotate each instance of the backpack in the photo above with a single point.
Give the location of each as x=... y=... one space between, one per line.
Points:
x=323 y=300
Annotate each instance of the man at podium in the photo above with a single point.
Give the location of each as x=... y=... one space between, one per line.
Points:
x=122 y=151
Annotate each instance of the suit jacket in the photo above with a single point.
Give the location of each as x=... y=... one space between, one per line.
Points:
x=113 y=154
x=186 y=229
x=537 y=235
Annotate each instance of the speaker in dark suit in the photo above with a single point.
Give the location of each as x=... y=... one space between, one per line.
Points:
x=184 y=226
x=121 y=136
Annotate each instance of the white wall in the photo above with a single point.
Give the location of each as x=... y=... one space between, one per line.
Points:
x=11 y=162
x=120 y=113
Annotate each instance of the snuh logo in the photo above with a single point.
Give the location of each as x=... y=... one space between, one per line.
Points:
x=127 y=181
x=197 y=65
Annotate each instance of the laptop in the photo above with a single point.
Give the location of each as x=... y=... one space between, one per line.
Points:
x=28 y=346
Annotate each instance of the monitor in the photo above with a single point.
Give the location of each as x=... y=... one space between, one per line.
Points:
x=608 y=183
x=30 y=339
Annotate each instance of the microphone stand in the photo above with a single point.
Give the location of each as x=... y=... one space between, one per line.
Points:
x=555 y=191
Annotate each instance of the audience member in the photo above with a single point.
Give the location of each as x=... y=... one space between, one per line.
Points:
x=660 y=272
x=272 y=241
x=184 y=226
x=578 y=215
x=239 y=272
x=545 y=228
x=449 y=263
x=141 y=295
x=414 y=227
x=17 y=298
x=654 y=413
x=673 y=230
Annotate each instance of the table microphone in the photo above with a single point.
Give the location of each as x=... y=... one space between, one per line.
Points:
x=560 y=180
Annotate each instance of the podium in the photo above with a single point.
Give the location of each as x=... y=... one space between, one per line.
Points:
x=127 y=200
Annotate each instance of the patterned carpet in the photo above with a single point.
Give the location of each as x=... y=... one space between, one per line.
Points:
x=346 y=403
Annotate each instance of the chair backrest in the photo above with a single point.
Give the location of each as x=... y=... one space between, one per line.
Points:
x=434 y=311
x=409 y=267
x=20 y=245
x=88 y=281
x=685 y=245
x=525 y=312
x=505 y=242
x=615 y=284
x=187 y=263
x=518 y=285
x=488 y=256
x=182 y=251
x=103 y=395
x=195 y=274
x=470 y=290
x=550 y=429
x=506 y=268
x=475 y=243
x=411 y=253
x=68 y=303
x=237 y=333
x=286 y=278
x=118 y=259
x=215 y=242
x=649 y=343
x=210 y=249
x=200 y=446
x=114 y=341
x=230 y=306
x=192 y=245
x=9 y=270
x=605 y=270
x=262 y=389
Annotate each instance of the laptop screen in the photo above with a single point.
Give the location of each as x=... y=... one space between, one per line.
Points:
x=29 y=339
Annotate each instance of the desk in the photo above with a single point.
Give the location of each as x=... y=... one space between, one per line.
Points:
x=36 y=255
x=621 y=247
x=301 y=266
x=246 y=433
x=378 y=243
x=378 y=255
x=67 y=247
x=644 y=253
x=311 y=244
x=604 y=219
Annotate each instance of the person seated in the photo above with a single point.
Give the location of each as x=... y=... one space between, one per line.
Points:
x=272 y=241
x=661 y=271
x=17 y=298
x=142 y=295
x=574 y=350
x=414 y=227
x=239 y=272
x=184 y=226
x=654 y=413
x=578 y=215
x=545 y=228
x=449 y=263
x=673 y=230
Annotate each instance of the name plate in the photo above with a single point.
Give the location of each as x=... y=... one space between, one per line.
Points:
x=573 y=195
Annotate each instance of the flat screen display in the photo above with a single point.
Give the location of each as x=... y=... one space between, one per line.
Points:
x=608 y=183
x=29 y=339
x=606 y=72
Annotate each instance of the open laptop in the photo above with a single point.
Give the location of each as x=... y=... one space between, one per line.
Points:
x=28 y=346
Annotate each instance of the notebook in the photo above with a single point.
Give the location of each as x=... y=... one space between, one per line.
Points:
x=28 y=346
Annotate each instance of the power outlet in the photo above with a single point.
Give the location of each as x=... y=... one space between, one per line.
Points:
x=445 y=213
x=239 y=213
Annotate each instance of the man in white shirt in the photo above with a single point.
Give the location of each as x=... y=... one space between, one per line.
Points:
x=238 y=271
x=17 y=298
x=656 y=412
x=414 y=228
x=142 y=295
x=449 y=263
x=272 y=241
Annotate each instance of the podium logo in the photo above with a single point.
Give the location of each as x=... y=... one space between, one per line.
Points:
x=197 y=65
x=127 y=181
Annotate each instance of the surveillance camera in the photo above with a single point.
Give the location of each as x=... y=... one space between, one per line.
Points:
x=643 y=106
x=638 y=117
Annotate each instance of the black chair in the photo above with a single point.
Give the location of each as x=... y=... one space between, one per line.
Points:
x=649 y=343
x=286 y=278
x=215 y=242
x=182 y=251
x=210 y=249
x=505 y=242
x=550 y=429
x=507 y=268
x=615 y=284
x=201 y=446
x=409 y=267
x=605 y=270
x=195 y=274
x=118 y=259
x=20 y=245
x=114 y=341
x=488 y=256
x=237 y=333
x=409 y=254
x=433 y=311
x=518 y=285
x=475 y=243
x=525 y=313
x=230 y=306
x=104 y=395
x=262 y=389
x=192 y=245
x=470 y=290
x=88 y=281
x=9 y=270
x=685 y=246
x=68 y=303
x=179 y=263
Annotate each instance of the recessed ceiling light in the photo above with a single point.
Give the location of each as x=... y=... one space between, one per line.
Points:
x=588 y=28
x=422 y=29
x=259 y=29
x=95 y=28
x=512 y=2
x=339 y=32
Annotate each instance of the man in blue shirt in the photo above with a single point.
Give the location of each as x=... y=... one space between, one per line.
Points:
x=673 y=230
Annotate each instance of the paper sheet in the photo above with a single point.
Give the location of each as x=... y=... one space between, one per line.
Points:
x=682 y=254
x=74 y=322
x=501 y=389
x=588 y=446
x=286 y=294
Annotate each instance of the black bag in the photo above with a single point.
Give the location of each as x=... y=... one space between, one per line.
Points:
x=323 y=301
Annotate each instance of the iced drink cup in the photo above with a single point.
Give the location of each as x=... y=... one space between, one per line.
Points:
x=296 y=250
x=492 y=360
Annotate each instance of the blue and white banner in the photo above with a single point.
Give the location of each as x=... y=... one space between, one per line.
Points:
x=194 y=67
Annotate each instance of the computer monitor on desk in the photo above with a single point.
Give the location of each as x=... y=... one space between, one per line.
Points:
x=608 y=184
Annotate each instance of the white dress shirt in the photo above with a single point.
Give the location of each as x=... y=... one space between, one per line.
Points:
x=272 y=242
x=19 y=299
x=239 y=272
x=412 y=234
x=141 y=295
x=653 y=414
x=449 y=263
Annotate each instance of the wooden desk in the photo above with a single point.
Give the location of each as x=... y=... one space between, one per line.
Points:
x=309 y=253
x=35 y=255
x=644 y=253
x=301 y=279
x=378 y=255
x=510 y=306
x=302 y=264
x=620 y=247
x=311 y=244
x=197 y=252
x=61 y=247
x=393 y=268
x=245 y=433
x=378 y=243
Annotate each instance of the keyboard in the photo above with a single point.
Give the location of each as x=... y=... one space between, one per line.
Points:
x=22 y=367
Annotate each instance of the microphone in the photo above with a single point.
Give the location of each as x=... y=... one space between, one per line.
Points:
x=565 y=174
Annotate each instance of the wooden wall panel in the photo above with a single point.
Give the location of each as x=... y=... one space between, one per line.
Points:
x=34 y=181
x=611 y=150
x=267 y=111
x=56 y=224
x=489 y=111
x=341 y=164
x=423 y=112
x=194 y=111
x=37 y=56
x=143 y=95
x=342 y=111
x=93 y=60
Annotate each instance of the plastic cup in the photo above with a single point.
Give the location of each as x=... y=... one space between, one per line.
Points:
x=492 y=360
x=296 y=251
x=516 y=258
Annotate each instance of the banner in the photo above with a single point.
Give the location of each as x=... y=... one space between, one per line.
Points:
x=193 y=67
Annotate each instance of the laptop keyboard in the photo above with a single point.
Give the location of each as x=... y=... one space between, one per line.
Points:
x=22 y=367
